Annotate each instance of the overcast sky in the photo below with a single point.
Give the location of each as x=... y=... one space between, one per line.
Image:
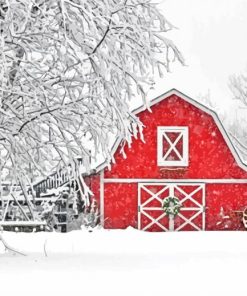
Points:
x=212 y=36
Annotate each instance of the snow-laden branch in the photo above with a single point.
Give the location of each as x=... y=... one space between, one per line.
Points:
x=67 y=72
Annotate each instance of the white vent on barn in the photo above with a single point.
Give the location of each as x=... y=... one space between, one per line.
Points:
x=173 y=146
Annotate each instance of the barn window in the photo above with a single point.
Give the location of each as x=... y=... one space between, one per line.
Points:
x=173 y=146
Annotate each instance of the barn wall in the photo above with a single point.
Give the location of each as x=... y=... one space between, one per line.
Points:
x=209 y=155
x=93 y=182
x=120 y=205
x=222 y=200
x=209 y=158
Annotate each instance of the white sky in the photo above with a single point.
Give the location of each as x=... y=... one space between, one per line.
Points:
x=212 y=36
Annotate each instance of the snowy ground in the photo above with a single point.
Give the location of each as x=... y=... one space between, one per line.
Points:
x=125 y=263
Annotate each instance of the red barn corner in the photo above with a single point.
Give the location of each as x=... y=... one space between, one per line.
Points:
x=187 y=155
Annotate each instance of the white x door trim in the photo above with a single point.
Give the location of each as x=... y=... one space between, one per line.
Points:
x=198 y=206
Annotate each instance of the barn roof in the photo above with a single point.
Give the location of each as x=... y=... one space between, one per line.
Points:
x=196 y=104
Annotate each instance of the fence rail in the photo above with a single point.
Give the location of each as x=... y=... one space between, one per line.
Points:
x=53 y=181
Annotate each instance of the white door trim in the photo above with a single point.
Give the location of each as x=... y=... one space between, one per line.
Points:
x=199 y=208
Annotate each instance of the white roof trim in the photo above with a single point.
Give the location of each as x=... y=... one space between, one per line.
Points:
x=196 y=104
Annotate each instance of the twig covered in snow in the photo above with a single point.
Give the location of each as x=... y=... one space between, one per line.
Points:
x=238 y=86
x=67 y=72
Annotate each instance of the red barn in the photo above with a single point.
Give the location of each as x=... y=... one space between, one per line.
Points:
x=187 y=175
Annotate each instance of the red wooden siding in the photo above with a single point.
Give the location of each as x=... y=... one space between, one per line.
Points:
x=221 y=201
x=209 y=155
x=93 y=182
x=120 y=205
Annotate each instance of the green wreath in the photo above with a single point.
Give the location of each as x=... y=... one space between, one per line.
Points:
x=171 y=205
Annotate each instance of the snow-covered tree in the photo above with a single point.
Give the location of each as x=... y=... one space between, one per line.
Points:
x=238 y=86
x=68 y=69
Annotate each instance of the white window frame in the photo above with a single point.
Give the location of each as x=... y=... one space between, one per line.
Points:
x=184 y=131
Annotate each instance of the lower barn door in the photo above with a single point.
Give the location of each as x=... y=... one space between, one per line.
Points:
x=171 y=207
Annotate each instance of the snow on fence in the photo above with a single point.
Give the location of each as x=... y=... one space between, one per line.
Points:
x=51 y=204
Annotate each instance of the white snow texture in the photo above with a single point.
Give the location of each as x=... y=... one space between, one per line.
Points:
x=128 y=262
